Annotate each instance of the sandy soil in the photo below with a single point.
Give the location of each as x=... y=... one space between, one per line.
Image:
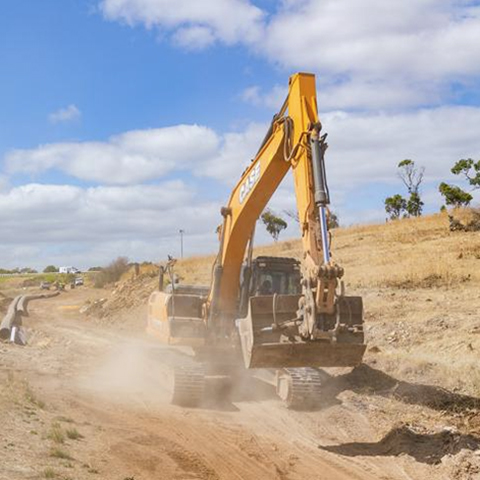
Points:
x=85 y=400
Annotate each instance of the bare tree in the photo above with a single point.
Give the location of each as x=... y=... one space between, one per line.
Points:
x=410 y=175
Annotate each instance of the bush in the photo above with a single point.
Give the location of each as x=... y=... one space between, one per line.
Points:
x=50 y=269
x=112 y=272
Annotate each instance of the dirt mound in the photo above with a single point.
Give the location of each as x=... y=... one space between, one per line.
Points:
x=125 y=296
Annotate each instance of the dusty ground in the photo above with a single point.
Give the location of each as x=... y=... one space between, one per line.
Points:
x=99 y=385
x=85 y=398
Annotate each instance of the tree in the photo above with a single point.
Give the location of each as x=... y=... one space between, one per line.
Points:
x=470 y=170
x=273 y=223
x=455 y=196
x=50 y=269
x=412 y=178
x=414 y=205
x=395 y=206
x=410 y=175
x=28 y=270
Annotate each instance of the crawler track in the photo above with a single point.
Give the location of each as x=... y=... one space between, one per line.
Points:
x=299 y=388
x=188 y=384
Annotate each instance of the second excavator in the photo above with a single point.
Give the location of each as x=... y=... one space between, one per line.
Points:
x=281 y=318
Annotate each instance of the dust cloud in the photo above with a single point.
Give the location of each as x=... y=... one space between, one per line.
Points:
x=132 y=371
x=140 y=372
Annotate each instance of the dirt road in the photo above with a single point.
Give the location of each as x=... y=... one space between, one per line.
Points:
x=85 y=400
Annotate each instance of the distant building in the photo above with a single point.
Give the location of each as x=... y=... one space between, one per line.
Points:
x=68 y=270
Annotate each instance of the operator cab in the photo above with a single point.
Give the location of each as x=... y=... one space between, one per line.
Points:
x=272 y=275
x=269 y=276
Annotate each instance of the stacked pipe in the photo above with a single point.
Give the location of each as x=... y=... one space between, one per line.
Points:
x=11 y=326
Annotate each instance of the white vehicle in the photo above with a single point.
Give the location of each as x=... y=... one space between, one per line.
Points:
x=68 y=270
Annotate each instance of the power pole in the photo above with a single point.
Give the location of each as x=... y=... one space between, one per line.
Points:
x=181 y=242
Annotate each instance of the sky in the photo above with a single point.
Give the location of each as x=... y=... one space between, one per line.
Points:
x=124 y=121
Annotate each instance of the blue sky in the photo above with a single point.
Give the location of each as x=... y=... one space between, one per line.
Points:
x=65 y=52
x=122 y=121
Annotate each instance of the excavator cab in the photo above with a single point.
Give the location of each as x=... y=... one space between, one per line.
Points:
x=269 y=276
x=275 y=275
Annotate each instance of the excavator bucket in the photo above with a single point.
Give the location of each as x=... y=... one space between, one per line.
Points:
x=267 y=347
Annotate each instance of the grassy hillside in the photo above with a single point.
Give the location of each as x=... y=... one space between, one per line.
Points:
x=410 y=253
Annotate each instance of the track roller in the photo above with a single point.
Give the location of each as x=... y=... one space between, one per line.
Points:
x=299 y=388
x=188 y=385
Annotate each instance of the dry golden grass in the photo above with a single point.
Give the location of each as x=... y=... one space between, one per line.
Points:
x=407 y=253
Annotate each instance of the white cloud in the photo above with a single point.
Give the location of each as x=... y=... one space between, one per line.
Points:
x=272 y=99
x=428 y=38
x=370 y=54
x=3 y=182
x=55 y=221
x=374 y=95
x=353 y=95
x=64 y=115
x=375 y=54
x=365 y=148
x=194 y=38
x=129 y=158
x=145 y=155
x=195 y=24
x=234 y=155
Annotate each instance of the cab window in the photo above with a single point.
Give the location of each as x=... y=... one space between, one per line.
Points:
x=282 y=283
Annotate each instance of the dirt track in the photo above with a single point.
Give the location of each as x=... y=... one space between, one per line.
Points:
x=103 y=382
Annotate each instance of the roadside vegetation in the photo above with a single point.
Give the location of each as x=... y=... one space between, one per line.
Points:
x=112 y=272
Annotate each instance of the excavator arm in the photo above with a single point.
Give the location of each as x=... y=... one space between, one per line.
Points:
x=293 y=142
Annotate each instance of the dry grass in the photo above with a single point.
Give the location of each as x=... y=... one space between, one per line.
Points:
x=408 y=253
x=56 y=433
x=195 y=270
x=49 y=473
x=61 y=454
x=32 y=398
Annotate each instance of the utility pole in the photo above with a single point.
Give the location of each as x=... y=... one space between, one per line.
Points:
x=181 y=242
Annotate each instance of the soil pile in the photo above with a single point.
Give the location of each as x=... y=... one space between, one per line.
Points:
x=126 y=295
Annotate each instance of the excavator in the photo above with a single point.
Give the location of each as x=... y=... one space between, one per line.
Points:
x=280 y=318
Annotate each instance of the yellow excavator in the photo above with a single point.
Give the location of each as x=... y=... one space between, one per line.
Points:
x=279 y=317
